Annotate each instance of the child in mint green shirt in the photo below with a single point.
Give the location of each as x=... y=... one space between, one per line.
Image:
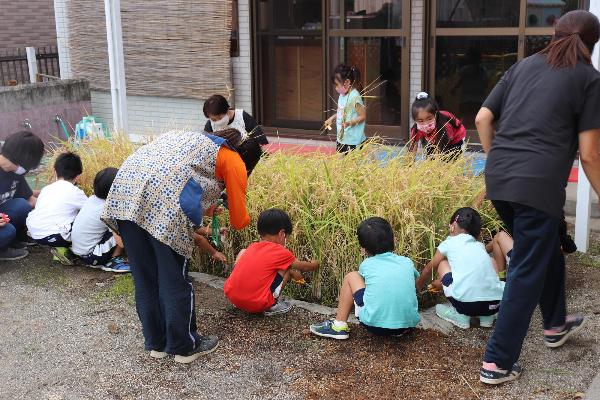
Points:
x=351 y=114
x=382 y=292
x=465 y=273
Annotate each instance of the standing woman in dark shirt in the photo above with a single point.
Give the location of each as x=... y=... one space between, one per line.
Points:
x=221 y=116
x=546 y=108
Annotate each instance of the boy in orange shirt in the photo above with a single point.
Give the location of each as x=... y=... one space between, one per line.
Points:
x=263 y=269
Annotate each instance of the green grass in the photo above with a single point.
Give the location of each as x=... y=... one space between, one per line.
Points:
x=121 y=288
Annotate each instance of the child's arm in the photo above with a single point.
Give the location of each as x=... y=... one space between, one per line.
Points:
x=118 y=240
x=429 y=269
x=328 y=122
x=206 y=247
x=362 y=116
x=305 y=266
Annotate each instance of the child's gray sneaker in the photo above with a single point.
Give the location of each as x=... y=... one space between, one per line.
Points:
x=281 y=307
x=10 y=254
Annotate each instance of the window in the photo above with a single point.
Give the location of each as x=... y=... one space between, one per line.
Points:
x=234 y=42
x=474 y=42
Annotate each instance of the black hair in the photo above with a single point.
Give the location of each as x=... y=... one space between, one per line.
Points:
x=68 y=166
x=468 y=219
x=215 y=105
x=272 y=221
x=424 y=101
x=249 y=149
x=352 y=73
x=24 y=149
x=376 y=236
x=103 y=181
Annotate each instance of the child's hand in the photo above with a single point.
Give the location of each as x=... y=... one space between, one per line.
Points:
x=203 y=231
x=224 y=231
x=315 y=263
x=2 y=223
x=218 y=256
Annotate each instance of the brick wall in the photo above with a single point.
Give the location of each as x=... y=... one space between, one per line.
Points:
x=242 y=66
x=27 y=23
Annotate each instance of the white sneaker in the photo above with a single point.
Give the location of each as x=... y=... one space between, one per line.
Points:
x=281 y=307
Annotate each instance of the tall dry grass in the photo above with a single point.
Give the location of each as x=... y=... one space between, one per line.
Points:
x=327 y=196
x=96 y=154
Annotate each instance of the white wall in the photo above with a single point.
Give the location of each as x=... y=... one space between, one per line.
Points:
x=152 y=115
x=416 y=48
x=242 y=66
x=62 y=38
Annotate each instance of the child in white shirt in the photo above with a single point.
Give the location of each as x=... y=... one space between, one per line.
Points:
x=93 y=242
x=57 y=206
x=465 y=273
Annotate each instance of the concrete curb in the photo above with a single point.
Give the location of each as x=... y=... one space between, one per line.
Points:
x=593 y=393
x=428 y=318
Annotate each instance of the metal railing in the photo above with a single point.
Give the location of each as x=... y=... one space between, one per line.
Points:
x=14 y=69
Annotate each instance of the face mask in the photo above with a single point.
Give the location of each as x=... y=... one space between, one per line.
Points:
x=341 y=90
x=20 y=170
x=427 y=128
x=223 y=122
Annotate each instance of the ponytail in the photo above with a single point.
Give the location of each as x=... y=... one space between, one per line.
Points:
x=468 y=219
x=566 y=51
x=575 y=35
x=352 y=73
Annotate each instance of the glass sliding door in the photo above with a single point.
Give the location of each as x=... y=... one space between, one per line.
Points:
x=289 y=37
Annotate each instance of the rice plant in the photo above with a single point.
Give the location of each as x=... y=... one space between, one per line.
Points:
x=327 y=196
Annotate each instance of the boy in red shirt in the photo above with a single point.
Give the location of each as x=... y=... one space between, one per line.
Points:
x=264 y=268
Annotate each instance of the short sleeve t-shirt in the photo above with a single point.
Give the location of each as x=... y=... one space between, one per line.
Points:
x=390 y=299
x=55 y=210
x=539 y=111
x=346 y=111
x=13 y=186
x=473 y=274
x=249 y=285
x=88 y=228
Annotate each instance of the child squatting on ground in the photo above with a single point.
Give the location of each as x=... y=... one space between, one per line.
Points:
x=382 y=291
x=92 y=241
x=51 y=220
x=351 y=114
x=466 y=273
x=263 y=269
x=21 y=152
x=440 y=131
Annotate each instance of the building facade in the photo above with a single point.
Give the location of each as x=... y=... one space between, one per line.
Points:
x=283 y=53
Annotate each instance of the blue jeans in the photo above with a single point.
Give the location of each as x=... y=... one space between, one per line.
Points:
x=17 y=210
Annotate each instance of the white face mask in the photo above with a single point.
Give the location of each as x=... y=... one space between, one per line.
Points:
x=220 y=124
x=20 y=170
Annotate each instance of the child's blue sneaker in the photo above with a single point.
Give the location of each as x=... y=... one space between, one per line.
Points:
x=327 y=329
x=449 y=313
x=118 y=265
x=487 y=321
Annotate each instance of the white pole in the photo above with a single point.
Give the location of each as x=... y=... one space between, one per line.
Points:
x=32 y=64
x=114 y=36
x=584 y=191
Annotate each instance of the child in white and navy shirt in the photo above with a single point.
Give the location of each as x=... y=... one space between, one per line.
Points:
x=57 y=206
x=93 y=242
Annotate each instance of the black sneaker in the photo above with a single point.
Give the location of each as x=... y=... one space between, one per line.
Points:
x=206 y=345
x=11 y=254
x=500 y=376
x=558 y=339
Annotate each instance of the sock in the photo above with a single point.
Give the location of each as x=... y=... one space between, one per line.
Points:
x=339 y=325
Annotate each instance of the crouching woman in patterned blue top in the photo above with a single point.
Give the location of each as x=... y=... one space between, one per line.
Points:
x=156 y=203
